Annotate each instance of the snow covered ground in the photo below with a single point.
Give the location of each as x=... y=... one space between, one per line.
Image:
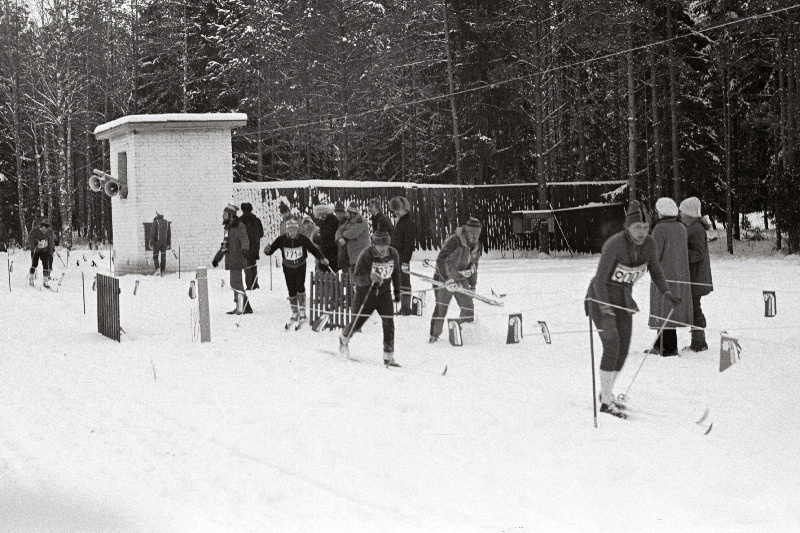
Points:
x=268 y=430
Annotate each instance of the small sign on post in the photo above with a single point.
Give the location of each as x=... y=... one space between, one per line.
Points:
x=514 y=328
x=454 y=328
x=202 y=297
x=770 y=304
x=729 y=352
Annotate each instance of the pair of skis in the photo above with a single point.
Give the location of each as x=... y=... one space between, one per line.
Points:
x=496 y=301
x=295 y=323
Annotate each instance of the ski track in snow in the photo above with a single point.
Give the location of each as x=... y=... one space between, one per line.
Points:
x=259 y=430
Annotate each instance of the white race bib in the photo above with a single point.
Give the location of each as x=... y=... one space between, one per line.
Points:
x=384 y=270
x=628 y=275
x=293 y=254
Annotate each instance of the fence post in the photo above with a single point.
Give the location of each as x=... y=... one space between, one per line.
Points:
x=202 y=297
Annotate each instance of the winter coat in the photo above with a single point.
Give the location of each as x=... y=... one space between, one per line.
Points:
x=699 y=260
x=388 y=267
x=327 y=237
x=235 y=246
x=160 y=232
x=404 y=237
x=255 y=232
x=294 y=251
x=380 y=220
x=458 y=261
x=39 y=239
x=312 y=233
x=356 y=232
x=673 y=256
x=622 y=263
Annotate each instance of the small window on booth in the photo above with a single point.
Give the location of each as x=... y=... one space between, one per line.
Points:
x=122 y=174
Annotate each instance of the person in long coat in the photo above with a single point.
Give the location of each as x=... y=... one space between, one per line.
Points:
x=234 y=249
x=699 y=267
x=353 y=234
x=673 y=256
x=255 y=232
x=404 y=240
x=328 y=224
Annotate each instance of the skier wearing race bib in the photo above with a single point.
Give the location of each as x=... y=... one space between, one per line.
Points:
x=456 y=265
x=294 y=247
x=377 y=271
x=626 y=256
x=41 y=243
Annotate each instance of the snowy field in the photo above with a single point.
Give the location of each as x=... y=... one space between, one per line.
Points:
x=268 y=430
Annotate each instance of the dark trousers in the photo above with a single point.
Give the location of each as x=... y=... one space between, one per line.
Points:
x=251 y=275
x=47 y=261
x=405 y=293
x=295 y=279
x=160 y=250
x=382 y=302
x=237 y=284
x=667 y=342
x=699 y=317
x=443 y=297
x=615 y=334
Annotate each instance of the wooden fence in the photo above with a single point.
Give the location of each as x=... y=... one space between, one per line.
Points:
x=108 y=307
x=331 y=293
x=438 y=210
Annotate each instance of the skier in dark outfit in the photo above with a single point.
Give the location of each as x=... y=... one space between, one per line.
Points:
x=41 y=243
x=626 y=256
x=294 y=247
x=375 y=266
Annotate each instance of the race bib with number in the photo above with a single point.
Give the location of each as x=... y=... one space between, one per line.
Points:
x=42 y=244
x=628 y=275
x=384 y=270
x=292 y=254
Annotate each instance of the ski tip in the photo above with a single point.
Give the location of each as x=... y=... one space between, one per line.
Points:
x=703 y=416
x=445 y=370
x=711 y=425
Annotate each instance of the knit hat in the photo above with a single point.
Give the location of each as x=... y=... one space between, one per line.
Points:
x=381 y=237
x=353 y=208
x=691 y=207
x=399 y=202
x=635 y=213
x=473 y=223
x=291 y=222
x=666 y=207
x=247 y=207
x=338 y=208
x=374 y=202
x=283 y=208
x=231 y=210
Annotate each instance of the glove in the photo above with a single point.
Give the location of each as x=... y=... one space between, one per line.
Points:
x=376 y=278
x=451 y=285
x=341 y=242
x=405 y=268
x=267 y=250
x=396 y=297
x=324 y=262
x=673 y=299
x=214 y=263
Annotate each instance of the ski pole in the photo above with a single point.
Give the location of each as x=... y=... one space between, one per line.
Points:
x=360 y=309
x=623 y=397
x=594 y=390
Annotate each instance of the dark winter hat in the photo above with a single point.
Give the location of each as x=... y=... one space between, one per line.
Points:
x=374 y=202
x=338 y=208
x=473 y=224
x=353 y=208
x=399 y=202
x=283 y=208
x=381 y=237
x=231 y=210
x=247 y=207
x=635 y=213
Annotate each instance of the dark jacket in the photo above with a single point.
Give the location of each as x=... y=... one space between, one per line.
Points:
x=388 y=267
x=699 y=260
x=255 y=231
x=404 y=237
x=294 y=251
x=670 y=238
x=39 y=239
x=356 y=232
x=327 y=237
x=458 y=261
x=235 y=245
x=380 y=220
x=622 y=263
x=160 y=232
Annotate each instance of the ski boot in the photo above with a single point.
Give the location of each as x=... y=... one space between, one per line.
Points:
x=343 y=342
x=388 y=360
x=612 y=409
x=31 y=278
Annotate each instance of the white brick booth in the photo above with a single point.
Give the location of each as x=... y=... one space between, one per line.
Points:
x=179 y=163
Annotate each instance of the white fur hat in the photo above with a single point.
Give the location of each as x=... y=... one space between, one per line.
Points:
x=691 y=207
x=666 y=207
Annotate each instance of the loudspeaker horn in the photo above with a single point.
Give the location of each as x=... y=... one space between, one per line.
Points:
x=96 y=183
x=111 y=187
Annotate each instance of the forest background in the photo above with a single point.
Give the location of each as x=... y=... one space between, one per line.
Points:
x=677 y=97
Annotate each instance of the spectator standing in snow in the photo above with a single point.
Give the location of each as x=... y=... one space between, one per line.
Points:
x=160 y=238
x=285 y=212
x=376 y=272
x=255 y=231
x=699 y=267
x=625 y=257
x=456 y=266
x=42 y=244
x=328 y=224
x=342 y=260
x=295 y=247
x=673 y=257
x=353 y=234
x=234 y=249
x=404 y=240
x=377 y=217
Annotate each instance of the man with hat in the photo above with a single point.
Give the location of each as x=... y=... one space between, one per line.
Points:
x=377 y=217
x=404 y=240
x=234 y=248
x=160 y=238
x=377 y=271
x=625 y=258
x=456 y=265
x=255 y=231
x=699 y=267
x=353 y=234
x=42 y=244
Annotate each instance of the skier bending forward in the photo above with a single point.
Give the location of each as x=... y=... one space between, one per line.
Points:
x=375 y=265
x=626 y=256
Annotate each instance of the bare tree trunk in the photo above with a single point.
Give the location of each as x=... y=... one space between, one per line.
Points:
x=18 y=143
x=673 y=104
x=453 y=109
x=631 y=118
x=259 y=134
x=541 y=180
x=48 y=173
x=185 y=85
x=39 y=151
x=651 y=54
x=726 y=118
